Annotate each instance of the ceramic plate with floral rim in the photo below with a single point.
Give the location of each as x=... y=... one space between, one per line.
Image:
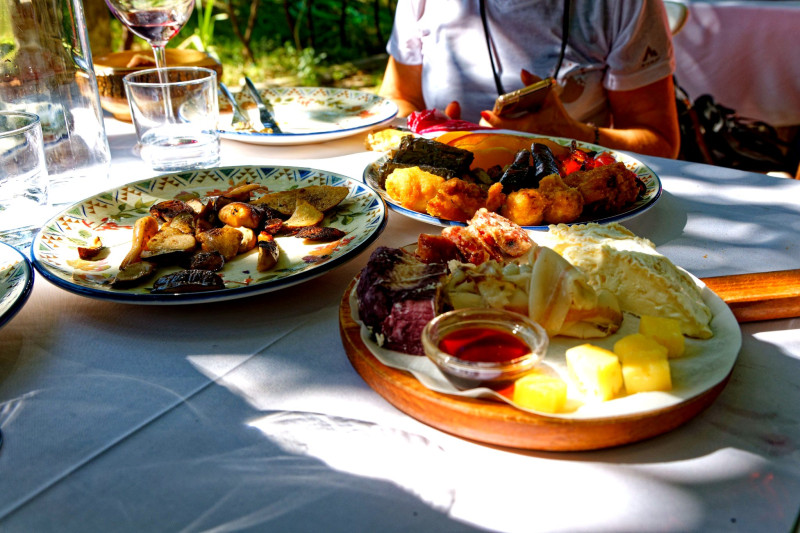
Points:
x=16 y=281
x=111 y=216
x=643 y=203
x=310 y=115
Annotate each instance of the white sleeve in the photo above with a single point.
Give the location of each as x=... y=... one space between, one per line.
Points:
x=642 y=53
x=405 y=42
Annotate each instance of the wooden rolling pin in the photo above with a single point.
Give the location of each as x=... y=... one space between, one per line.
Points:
x=760 y=296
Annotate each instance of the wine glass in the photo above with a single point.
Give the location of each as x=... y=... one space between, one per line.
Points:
x=155 y=21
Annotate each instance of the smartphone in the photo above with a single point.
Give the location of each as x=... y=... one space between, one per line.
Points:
x=527 y=99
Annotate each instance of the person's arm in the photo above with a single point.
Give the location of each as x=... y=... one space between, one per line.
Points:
x=402 y=84
x=645 y=121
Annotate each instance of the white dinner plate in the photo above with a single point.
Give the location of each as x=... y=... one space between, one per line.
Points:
x=311 y=114
x=705 y=364
x=16 y=281
x=643 y=203
x=112 y=214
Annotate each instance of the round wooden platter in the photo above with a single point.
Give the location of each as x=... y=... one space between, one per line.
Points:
x=501 y=424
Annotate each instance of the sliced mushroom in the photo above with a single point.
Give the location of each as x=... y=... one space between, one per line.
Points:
x=212 y=261
x=133 y=274
x=268 y=252
x=169 y=209
x=248 y=239
x=320 y=234
x=143 y=231
x=183 y=222
x=169 y=245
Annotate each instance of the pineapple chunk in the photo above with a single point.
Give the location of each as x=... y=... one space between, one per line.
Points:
x=540 y=392
x=644 y=364
x=665 y=331
x=595 y=371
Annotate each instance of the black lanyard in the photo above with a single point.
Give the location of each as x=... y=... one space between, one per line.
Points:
x=564 y=37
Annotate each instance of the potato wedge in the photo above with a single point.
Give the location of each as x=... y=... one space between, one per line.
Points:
x=304 y=215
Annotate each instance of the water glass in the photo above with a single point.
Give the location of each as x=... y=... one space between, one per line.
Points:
x=23 y=178
x=175 y=113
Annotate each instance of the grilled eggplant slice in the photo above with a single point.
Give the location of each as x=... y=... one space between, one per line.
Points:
x=544 y=162
x=188 y=281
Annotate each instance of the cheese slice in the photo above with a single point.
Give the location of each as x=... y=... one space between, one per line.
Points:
x=644 y=281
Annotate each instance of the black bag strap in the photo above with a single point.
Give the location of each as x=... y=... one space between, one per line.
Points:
x=564 y=38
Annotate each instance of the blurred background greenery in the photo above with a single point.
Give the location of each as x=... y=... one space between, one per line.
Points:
x=337 y=43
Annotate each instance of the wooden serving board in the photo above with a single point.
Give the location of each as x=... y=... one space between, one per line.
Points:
x=501 y=424
x=760 y=296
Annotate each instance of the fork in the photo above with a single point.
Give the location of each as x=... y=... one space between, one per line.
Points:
x=240 y=121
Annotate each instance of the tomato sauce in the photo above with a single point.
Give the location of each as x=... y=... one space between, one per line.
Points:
x=483 y=344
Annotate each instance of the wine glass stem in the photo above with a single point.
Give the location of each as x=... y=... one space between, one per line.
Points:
x=160 y=53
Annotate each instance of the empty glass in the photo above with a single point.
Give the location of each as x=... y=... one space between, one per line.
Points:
x=175 y=119
x=23 y=178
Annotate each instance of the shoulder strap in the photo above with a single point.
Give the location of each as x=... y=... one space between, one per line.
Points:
x=564 y=37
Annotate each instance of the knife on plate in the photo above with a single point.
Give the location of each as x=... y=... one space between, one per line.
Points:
x=240 y=120
x=264 y=113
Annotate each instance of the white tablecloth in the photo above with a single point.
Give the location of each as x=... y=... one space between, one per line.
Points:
x=743 y=53
x=247 y=416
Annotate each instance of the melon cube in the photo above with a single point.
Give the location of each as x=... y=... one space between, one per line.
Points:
x=665 y=331
x=645 y=366
x=595 y=371
x=540 y=392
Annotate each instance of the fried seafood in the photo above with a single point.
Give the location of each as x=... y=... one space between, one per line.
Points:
x=525 y=207
x=412 y=187
x=456 y=199
x=562 y=202
x=606 y=189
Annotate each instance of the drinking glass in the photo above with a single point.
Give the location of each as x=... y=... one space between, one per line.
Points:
x=23 y=178
x=155 y=21
x=175 y=112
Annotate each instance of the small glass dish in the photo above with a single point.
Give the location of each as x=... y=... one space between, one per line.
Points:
x=478 y=347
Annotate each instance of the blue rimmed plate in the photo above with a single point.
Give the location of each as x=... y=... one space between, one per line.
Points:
x=311 y=115
x=112 y=214
x=16 y=281
x=647 y=200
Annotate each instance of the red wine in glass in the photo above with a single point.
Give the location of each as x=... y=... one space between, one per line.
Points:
x=156 y=21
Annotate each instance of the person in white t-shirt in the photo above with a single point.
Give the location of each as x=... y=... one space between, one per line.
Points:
x=614 y=83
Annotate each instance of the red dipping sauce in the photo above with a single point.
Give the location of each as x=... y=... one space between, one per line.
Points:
x=483 y=344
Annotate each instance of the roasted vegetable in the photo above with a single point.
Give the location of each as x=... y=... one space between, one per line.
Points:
x=268 y=252
x=248 y=239
x=225 y=240
x=420 y=151
x=519 y=174
x=168 y=209
x=183 y=222
x=133 y=274
x=188 y=281
x=212 y=261
x=143 y=231
x=544 y=162
x=320 y=233
x=91 y=251
x=240 y=214
x=169 y=244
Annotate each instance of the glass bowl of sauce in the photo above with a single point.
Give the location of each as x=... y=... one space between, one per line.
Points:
x=478 y=347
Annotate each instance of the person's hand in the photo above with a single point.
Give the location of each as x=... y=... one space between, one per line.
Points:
x=550 y=119
x=453 y=110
